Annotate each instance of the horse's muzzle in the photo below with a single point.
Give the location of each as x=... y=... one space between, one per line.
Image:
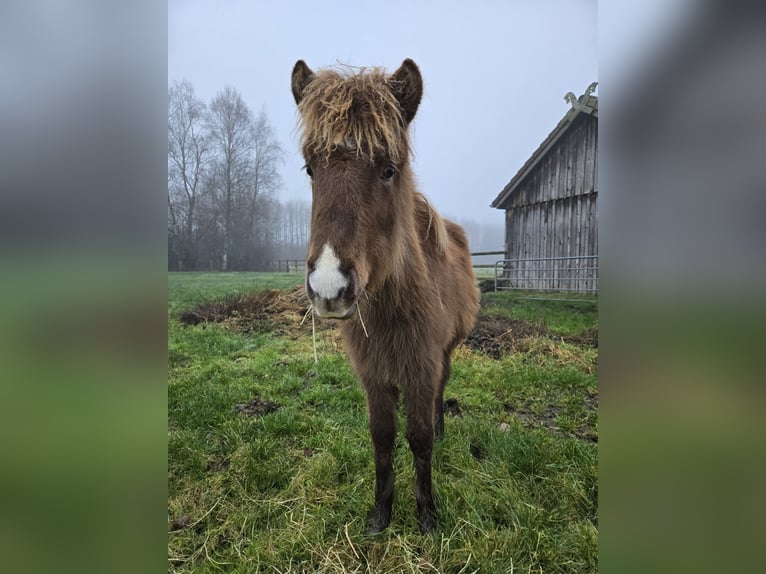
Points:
x=332 y=311
x=333 y=292
x=342 y=306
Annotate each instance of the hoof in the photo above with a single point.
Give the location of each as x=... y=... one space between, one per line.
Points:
x=427 y=524
x=376 y=524
x=373 y=530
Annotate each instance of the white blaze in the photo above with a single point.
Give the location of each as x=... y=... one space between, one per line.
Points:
x=326 y=280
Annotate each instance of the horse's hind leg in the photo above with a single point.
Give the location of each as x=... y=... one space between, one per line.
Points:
x=381 y=406
x=439 y=417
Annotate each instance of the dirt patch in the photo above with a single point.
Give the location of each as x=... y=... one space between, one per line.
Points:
x=257 y=407
x=452 y=407
x=280 y=312
x=245 y=312
x=498 y=336
x=588 y=338
x=476 y=450
x=546 y=418
x=217 y=465
x=180 y=522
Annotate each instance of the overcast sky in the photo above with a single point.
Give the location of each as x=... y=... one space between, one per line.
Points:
x=495 y=74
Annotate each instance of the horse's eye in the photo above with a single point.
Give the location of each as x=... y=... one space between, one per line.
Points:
x=389 y=172
x=309 y=171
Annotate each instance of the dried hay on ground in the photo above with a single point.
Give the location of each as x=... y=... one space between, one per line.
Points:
x=286 y=312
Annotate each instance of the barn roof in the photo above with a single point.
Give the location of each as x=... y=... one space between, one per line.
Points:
x=585 y=104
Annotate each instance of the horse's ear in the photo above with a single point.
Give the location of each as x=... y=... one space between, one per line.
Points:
x=302 y=76
x=407 y=85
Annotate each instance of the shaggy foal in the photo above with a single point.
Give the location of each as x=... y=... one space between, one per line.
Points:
x=380 y=256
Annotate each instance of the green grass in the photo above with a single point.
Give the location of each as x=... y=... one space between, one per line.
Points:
x=484 y=272
x=565 y=314
x=516 y=484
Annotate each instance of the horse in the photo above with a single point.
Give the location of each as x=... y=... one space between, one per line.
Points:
x=381 y=259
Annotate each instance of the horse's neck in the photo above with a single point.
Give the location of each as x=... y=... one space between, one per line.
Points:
x=406 y=272
x=402 y=290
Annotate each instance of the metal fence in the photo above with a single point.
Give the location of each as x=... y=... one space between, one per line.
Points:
x=545 y=274
x=548 y=274
x=287 y=266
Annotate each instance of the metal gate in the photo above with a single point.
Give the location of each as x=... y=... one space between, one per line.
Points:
x=577 y=274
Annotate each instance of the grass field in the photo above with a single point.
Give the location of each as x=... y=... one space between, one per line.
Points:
x=270 y=464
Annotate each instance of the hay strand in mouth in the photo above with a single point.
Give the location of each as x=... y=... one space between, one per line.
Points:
x=314 y=336
x=358 y=310
x=313 y=330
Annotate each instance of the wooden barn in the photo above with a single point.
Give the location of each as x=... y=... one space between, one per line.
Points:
x=551 y=230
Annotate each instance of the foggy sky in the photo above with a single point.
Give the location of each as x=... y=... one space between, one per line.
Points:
x=495 y=74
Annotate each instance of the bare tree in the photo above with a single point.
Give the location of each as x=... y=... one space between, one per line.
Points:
x=222 y=182
x=265 y=182
x=292 y=233
x=188 y=155
x=245 y=180
x=231 y=129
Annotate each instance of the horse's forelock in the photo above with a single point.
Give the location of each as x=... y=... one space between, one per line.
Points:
x=352 y=112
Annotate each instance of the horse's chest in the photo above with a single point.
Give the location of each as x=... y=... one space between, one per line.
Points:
x=391 y=352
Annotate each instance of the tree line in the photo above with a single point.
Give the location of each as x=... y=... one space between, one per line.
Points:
x=223 y=182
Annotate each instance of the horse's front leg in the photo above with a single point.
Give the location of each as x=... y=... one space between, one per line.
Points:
x=420 y=435
x=381 y=407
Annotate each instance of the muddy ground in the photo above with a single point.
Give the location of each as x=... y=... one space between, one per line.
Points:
x=252 y=311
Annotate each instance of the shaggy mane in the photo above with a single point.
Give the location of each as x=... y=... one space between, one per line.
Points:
x=352 y=108
x=430 y=220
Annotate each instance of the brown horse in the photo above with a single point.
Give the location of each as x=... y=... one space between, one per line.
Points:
x=381 y=257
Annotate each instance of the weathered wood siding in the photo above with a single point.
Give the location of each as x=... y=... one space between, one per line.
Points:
x=553 y=211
